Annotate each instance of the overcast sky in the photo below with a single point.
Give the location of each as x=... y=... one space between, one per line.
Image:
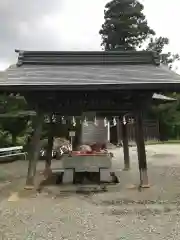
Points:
x=72 y=25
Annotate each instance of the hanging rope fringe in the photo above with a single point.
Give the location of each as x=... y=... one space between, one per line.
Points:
x=73 y=121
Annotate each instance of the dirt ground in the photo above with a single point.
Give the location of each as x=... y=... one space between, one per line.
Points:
x=120 y=213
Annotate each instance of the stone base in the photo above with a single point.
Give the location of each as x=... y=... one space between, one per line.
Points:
x=68 y=176
x=105 y=175
x=114 y=179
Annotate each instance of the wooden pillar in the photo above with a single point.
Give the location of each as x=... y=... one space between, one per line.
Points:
x=141 y=150
x=125 y=146
x=118 y=133
x=108 y=132
x=49 y=150
x=34 y=151
x=47 y=171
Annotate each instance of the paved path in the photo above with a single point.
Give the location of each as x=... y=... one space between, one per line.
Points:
x=120 y=213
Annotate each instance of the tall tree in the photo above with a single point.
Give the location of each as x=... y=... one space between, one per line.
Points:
x=125 y=26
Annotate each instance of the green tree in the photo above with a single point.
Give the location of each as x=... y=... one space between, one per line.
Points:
x=11 y=119
x=125 y=26
x=168 y=114
x=15 y=126
x=157 y=44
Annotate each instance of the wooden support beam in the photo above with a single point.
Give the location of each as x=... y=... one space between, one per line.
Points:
x=47 y=171
x=34 y=151
x=118 y=132
x=49 y=149
x=124 y=130
x=141 y=150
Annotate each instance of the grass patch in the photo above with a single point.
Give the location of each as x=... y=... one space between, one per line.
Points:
x=154 y=142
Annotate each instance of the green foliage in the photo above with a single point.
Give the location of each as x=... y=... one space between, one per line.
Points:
x=15 y=126
x=157 y=45
x=11 y=122
x=11 y=103
x=125 y=26
x=168 y=116
x=5 y=139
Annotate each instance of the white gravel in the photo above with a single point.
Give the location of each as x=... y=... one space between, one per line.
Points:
x=117 y=214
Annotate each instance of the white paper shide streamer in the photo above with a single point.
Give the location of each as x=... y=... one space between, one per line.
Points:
x=85 y=122
x=73 y=121
x=124 y=120
x=105 y=122
x=53 y=118
x=114 y=121
x=63 y=120
x=131 y=120
x=95 y=121
x=47 y=120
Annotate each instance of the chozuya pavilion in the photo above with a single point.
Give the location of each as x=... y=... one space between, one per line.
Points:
x=71 y=83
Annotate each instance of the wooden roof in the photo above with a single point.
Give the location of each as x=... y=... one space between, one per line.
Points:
x=128 y=70
x=86 y=58
x=163 y=98
x=114 y=109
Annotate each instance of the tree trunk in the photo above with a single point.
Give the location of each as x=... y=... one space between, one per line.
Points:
x=14 y=138
x=34 y=151
x=141 y=150
x=125 y=146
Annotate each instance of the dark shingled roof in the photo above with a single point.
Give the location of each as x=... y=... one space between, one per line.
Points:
x=87 y=58
x=90 y=70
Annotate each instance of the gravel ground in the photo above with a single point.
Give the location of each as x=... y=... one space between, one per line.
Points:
x=120 y=213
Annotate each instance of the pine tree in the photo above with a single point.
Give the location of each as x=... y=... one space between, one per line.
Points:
x=125 y=26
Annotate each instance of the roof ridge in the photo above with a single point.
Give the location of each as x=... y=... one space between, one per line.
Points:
x=156 y=58
x=20 y=58
x=87 y=57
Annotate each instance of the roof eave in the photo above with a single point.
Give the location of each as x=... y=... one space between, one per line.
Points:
x=164 y=98
x=90 y=87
